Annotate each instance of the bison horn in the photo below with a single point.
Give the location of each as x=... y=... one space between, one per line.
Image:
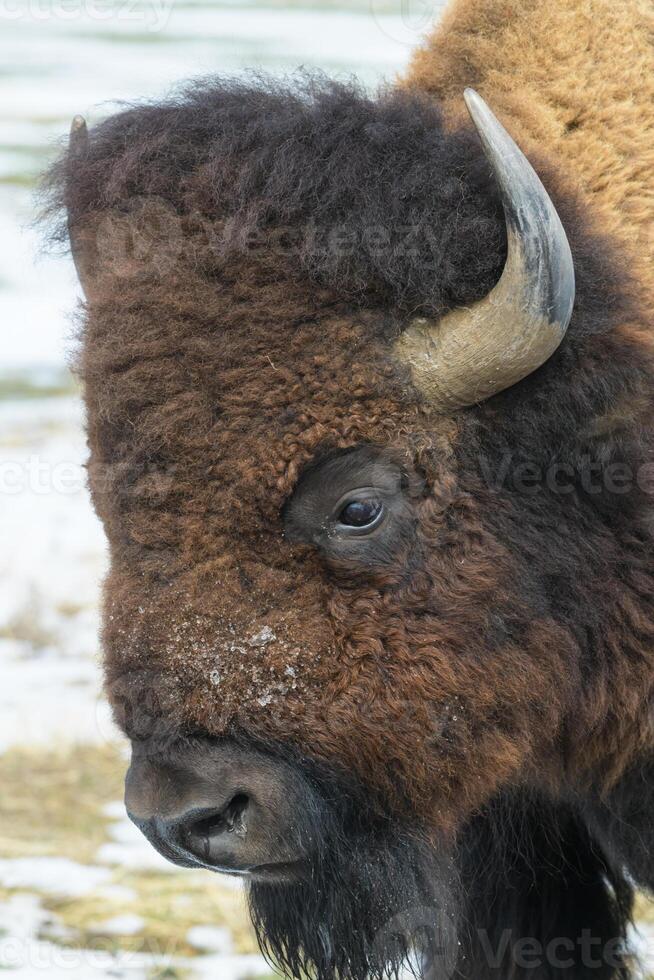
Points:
x=473 y=353
x=79 y=139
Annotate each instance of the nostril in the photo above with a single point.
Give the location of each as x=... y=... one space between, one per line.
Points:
x=230 y=820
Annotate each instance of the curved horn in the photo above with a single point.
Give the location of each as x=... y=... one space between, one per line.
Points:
x=472 y=353
x=78 y=144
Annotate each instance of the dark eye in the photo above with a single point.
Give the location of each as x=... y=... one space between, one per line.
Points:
x=364 y=513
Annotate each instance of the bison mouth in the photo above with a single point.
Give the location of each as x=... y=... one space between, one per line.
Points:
x=337 y=889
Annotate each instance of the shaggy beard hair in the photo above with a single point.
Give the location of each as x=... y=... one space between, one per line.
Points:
x=375 y=902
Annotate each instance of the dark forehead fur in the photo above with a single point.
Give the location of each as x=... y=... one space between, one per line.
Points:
x=371 y=196
x=375 y=172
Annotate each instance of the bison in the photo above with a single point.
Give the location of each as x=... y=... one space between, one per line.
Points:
x=370 y=423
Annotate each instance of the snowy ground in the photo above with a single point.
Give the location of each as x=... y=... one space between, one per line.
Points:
x=52 y=561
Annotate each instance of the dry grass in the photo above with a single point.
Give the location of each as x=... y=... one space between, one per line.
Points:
x=169 y=905
x=52 y=801
x=27 y=626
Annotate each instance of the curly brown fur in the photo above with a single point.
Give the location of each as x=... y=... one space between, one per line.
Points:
x=251 y=273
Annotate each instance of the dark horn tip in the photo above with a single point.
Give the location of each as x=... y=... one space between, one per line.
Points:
x=78 y=131
x=479 y=110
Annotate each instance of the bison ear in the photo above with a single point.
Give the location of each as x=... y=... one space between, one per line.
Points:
x=82 y=239
x=473 y=353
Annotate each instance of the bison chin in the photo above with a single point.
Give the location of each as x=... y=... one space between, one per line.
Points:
x=375 y=900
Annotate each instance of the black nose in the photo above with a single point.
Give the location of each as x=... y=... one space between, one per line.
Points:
x=218 y=805
x=210 y=836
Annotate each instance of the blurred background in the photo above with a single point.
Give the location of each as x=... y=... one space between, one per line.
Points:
x=81 y=894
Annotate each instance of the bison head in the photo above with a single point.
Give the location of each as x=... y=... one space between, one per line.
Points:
x=361 y=587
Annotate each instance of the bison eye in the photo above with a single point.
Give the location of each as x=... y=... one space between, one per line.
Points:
x=361 y=513
x=354 y=507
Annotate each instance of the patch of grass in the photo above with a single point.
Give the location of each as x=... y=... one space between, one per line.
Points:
x=139 y=37
x=167 y=973
x=169 y=905
x=52 y=801
x=18 y=180
x=358 y=6
x=26 y=626
x=69 y=608
x=28 y=149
